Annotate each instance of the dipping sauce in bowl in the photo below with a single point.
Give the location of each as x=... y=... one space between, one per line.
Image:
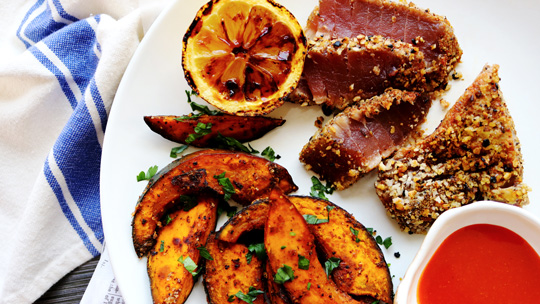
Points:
x=481 y=263
x=485 y=252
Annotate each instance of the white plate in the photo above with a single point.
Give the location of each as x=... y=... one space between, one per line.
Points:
x=498 y=31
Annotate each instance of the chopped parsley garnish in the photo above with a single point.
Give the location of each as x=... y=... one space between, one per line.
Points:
x=178 y=150
x=308 y=285
x=330 y=265
x=148 y=175
x=270 y=154
x=257 y=249
x=355 y=233
x=249 y=297
x=204 y=253
x=226 y=185
x=190 y=265
x=234 y=144
x=319 y=190
x=387 y=242
x=314 y=220
x=168 y=219
x=303 y=262
x=162 y=246
x=202 y=109
x=201 y=130
x=284 y=274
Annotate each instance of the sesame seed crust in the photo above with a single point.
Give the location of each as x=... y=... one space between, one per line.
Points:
x=473 y=155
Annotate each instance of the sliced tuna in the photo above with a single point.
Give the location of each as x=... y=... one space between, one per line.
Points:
x=357 y=139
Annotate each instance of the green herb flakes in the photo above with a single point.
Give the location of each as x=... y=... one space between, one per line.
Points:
x=303 y=262
x=200 y=130
x=314 y=220
x=148 y=175
x=178 y=150
x=284 y=274
x=249 y=297
x=257 y=249
x=162 y=246
x=387 y=242
x=226 y=185
x=270 y=154
x=319 y=190
x=204 y=253
x=330 y=265
x=355 y=233
x=189 y=265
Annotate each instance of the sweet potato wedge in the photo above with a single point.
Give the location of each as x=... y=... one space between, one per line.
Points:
x=241 y=128
x=275 y=292
x=170 y=281
x=363 y=271
x=252 y=217
x=288 y=239
x=229 y=273
x=251 y=177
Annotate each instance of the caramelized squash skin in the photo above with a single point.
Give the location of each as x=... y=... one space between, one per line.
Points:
x=243 y=129
x=251 y=176
x=229 y=272
x=169 y=280
x=286 y=237
x=252 y=217
x=363 y=272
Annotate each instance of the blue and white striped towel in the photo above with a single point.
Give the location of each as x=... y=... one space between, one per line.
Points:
x=60 y=64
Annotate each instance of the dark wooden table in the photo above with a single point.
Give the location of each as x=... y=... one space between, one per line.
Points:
x=70 y=288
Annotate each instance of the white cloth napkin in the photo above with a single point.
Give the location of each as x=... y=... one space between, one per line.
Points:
x=61 y=62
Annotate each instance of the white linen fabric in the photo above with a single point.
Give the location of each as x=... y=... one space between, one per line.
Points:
x=61 y=62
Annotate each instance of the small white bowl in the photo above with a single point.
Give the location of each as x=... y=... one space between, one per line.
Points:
x=511 y=217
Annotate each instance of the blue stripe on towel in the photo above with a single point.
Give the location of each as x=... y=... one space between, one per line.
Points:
x=96 y=96
x=78 y=153
x=62 y=12
x=56 y=72
x=65 y=208
x=42 y=26
x=74 y=46
x=25 y=19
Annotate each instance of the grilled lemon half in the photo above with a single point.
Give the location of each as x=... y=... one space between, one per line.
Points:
x=244 y=56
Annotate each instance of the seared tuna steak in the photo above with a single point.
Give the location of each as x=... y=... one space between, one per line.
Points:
x=340 y=72
x=357 y=139
x=473 y=155
x=432 y=34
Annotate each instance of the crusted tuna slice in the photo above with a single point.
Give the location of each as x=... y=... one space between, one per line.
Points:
x=342 y=71
x=432 y=34
x=473 y=155
x=357 y=139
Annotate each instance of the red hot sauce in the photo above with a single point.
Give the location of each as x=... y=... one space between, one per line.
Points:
x=480 y=264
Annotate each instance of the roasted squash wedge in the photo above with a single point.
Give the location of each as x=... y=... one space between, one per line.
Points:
x=275 y=292
x=363 y=271
x=230 y=273
x=243 y=129
x=289 y=243
x=252 y=217
x=251 y=177
x=170 y=281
